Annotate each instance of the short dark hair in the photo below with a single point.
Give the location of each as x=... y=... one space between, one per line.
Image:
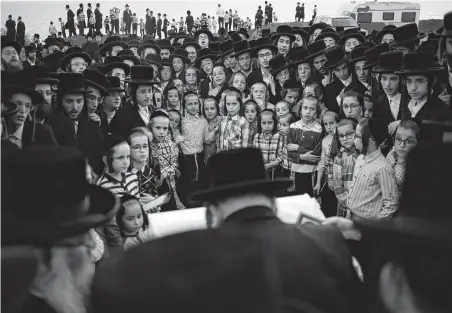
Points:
x=97 y=4
x=10 y=16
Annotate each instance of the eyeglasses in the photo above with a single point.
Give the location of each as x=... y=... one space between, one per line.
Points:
x=351 y=106
x=348 y=135
x=407 y=142
x=80 y=64
x=139 y=147
x=416 y=82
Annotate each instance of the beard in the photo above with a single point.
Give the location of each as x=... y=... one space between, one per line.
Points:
x=13 y=66
x=44 y=110
x=64 y=281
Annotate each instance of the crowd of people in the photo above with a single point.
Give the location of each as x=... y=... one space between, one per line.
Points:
x=230 y=122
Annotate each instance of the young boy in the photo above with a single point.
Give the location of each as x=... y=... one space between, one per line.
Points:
x=141 y=27
x=282 y=107
x=373 y=191
x=304 y=146
x=107 y=25
x=134 y=24
x=52 y=30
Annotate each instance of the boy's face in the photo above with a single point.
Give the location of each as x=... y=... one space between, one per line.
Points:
x=329 y=122
x=284 y=126
x=281 y=108
x=341 y=72
x=139 y=151
x=121 y=158
x=346 y=135
x=404 y=141
x=159 y=128
x=417 y=86
x=192 y=105
x=309 y=110
x=292 y=96
x=351 y=108
x=368 y=109
x=390 y=83
x=174 y=120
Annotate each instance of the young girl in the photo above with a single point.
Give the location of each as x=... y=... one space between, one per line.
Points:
x=250 y=111
x=116 y=177
x=353 y=105
x=269 y=141
x=282 y=107
x=174 y=134
x=406 y=138
x=173 y=99
x=211 y=113
x=235 y=130
x=368 y=107
x=344 y=162
x=133 y=222
x=238 y=80
x=304 y=146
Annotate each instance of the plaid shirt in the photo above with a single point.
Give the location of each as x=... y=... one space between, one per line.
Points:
x=235 y=133
x=271 y=146
x=166 y=152
x=343 y=167
x=399 y=169
x=326 y=163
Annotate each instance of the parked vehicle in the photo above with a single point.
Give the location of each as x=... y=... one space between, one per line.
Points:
x=335 y=21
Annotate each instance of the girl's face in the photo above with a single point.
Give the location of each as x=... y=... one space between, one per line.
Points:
x=250 y=113
x=139 y=148
x=308 y=110
x=350 y=44
x=191 y=76
x=158 y=100
x=346 y=135
x=283 y=45
x=329 y=122
x=219 y=76
x=210 y=109
x=174 y=120
x=239 y=82
x=368 y=109
x=121 y=158
x=284 y=127
x=192 y=105
x=358 y=139
x=173 y=97
x=304 y=71
x=267 y=123
x=283 y=76
x=292 y=96
x=281 y=108
x=404 y=141
x=159 y=128
x=178 y=64
x=144 y=95
x=351 y=108
x=232 y=105
x=133 y=217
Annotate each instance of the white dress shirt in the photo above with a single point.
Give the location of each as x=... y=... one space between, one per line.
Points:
x=16 y=137
x=415 y=106
x=144 y=113
x=394 y=104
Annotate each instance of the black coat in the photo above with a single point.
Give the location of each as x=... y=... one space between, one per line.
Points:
x=313 y=262
x=20 y=28
x=382 y=110
x=44 y=135
x=434 y=109
x=127 y=16
x=28 y=64
x=254 y=76
x=332 y=90
x=98 y=16
x=125 y=120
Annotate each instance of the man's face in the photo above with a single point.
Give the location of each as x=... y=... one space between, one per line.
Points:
x=363 y=75
x=98 y=39
x=46 y=91
x=191 y=53
x=264 y=56
x=32 y=56
x=24 y=106
x=292 y=96
x=165 y=53
x=390 y=84
x=52 y=49
x=178 y=64
x=230 y=61
x=112 y=102
x=116 y=49
x=350 y=44
x=78 y=65
x=329 y=42
x=93 y=99
x=166 y=73
x=245 y=61
x=283 y=45
x=90 y=39
x=319 y=61
x=9 y=54
x=203 y=40
x=341 y=72
x=73 y=105
x=417 y=86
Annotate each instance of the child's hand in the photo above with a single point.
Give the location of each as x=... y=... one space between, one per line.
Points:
x=179 y=139
x=317 y=188
x=178 y=173
x=392 y=127
x=292 y=147
x=291 y=188
x=146 y=198
x=309 y=157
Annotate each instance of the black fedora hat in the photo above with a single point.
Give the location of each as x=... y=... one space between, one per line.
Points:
x=421 y=62
x=227 y=47
x=283 y=30
x=127 y=54
x=154 y=59
x=142 y=75
x=215 y=46
x=112 y=62
x=238 y=171
x=40 y=74
x=358 y=54
x=8 y=107
x=74 y=52
x=351 y=33
x=406 y=34
x=304 y=34
x=277 y=64
x=413 y=220
x=329 y=32
x=244 y=32
x=205 y=53
x=31 y=48
x=292 y=84
x=316 y=26
x=335 y=57
x=241 y=47
x=191 y=42
x=134 y=44
x=389 y=62
x=97 y=80
x=388 y=29
x=316 y=48
x=72 y=83
x=111 y=42
x=114 y=84
x=264 y=43
x=446 y=30
x=20 y=83
x=266 y=32
x=51 y=41
x=235 y=37
x=63 y=212
x=372 y=55
x=7 y=42
x=53 y=60
x=180 y=53
x=165 y=44
x=204 y=31
x=291 y=56
x=301 y=56
x=144 y=46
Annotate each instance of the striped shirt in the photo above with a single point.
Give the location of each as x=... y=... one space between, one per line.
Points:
x=343 y=168
x=128 y=185
x=271 y=146
x=373 y=192
x=235 y=133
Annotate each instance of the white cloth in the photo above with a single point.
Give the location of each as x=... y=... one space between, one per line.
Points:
x=76 y=127
x=16 y=137
x=109 y=118
x=415 y=106
x=144 y=113
x=220 y=12
x=394 y=104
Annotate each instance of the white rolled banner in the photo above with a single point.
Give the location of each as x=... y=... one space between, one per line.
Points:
x=291 y=210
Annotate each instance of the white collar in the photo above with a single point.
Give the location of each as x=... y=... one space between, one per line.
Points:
x=347 y=82
x=396 y=98
x=18 y=133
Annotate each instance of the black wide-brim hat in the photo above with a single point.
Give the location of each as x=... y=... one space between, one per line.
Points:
x=49 y=226
x=72 y=83
x=154 y=59
x=114 y=84
x=358 y=54
x=68 y=57
x=335 y=57
x=389 y=62
x=406 y=34
x=313 y=27
x=263 y=43
x=283 y=30
x=277 y=64
x=204 y=31
x=97 y=80
x=189 y=42
x=203 y=54
x=373 y=54
x=300 y=57
x=180 y=53
x=356 y=35
x=110 y=66
x=9 y=107
x=236 y=172
x=36 y=97
x=241 y=47
x=107 y=46
x=304 y=34
x=329 y=32
x=148 y=45
x=419 y=62
x=142 y=75
x=446 y=30
x=388 y=29
x=316 y=48
x=6 y=42
x=40 y=74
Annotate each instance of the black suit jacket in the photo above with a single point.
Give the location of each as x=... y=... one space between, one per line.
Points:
x=434 y=109
x=332 y=90
x=28 y=64
x=125 y=120
x=382 y=110
x=254 y=76
x=313 y=262
x=43 y=135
